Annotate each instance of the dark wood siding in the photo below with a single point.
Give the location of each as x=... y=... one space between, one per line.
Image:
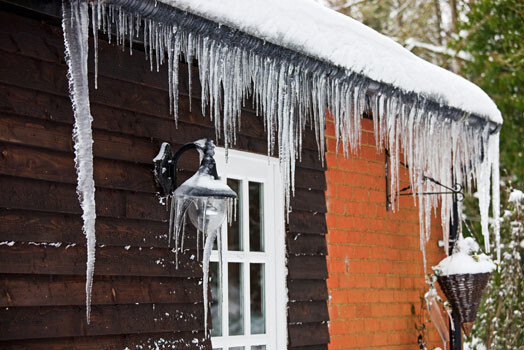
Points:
x=138 y=297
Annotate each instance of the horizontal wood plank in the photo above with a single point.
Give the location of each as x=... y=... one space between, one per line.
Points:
x=20 y=193
x=159 y=340
x=310 y=178
x=310 y=244
x=307 y=290
x=307 y=222
x=312 y=347
x=307 y=311
x=59 y=290
x=307 y=267
x=56 y=321
x=48 y=227
x=309 y=200
x=308 y=334
x=44 y=164
x=110 y=261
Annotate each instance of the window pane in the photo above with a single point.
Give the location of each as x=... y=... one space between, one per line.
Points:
x=258 y=307
x=236 y=297
x=237 y=348
x=258 y=347
x=256 y=214
x=234 y=230
x=216 y=307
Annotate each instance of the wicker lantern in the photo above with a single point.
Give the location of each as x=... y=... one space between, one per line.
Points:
x=464 y=293
x=463 y=276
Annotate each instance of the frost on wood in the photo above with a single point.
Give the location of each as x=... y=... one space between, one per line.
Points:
x=75 y=25
x=291 y=90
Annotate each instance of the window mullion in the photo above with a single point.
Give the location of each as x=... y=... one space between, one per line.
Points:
x=245 y=214
x=224 y=284
x=247 y=299
x=245 y=233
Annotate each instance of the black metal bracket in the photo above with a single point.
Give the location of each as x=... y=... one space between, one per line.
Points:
x=456 y=189
x=165 y=164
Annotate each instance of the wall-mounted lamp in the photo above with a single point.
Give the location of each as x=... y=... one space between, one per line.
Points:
x=203 y=196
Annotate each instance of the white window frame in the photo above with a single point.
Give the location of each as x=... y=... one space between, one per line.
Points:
x=257 y=168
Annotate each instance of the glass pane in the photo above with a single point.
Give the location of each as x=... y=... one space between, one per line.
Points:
x=258 y=307
x=236 y=297
x=256 y=215
x=234 y=231
x=216 y=305
x=258 y=347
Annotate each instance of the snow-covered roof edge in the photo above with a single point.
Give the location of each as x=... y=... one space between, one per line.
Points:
x=289 y=90
x=321 y=33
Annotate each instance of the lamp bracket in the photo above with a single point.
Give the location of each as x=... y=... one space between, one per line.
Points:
x=456 y=189
x=165 y=164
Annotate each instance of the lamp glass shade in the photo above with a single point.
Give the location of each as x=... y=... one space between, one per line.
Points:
x=207 y=214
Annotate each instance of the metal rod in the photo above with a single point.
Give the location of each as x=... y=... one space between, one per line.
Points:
x=386 y=165
x=175 y=159
x=431 y=193
x=455 y=337
x=456 y=190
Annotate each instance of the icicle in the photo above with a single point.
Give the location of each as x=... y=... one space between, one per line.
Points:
x=483 y=192
x=75 y=24
x=171 y=219
x=183 y=234
x=290 y=90
x=208 y=247
x=494 y=151
x=95 y=14
x=174 y=74
x=189 y=56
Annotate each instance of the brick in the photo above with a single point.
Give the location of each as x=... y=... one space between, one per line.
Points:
x=336 y=177
x=371 y=325
x=374 y=259
x=337 y=236
x=332 y=281
x=336 y=206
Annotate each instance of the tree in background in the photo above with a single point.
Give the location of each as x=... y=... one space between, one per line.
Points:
x=483 y=41
x=500 y=323
x=423 y=27
x=492 y=33
x=493 y=36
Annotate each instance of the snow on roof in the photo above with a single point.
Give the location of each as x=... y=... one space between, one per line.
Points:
x=311 y=29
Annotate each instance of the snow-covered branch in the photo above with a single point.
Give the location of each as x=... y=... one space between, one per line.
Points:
x=412 y=43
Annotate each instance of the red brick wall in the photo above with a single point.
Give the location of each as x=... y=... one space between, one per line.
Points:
x=375 y=266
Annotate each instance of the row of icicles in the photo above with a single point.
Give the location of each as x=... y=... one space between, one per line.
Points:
x=290 y=96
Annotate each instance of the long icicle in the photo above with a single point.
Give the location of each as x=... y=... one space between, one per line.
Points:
x=75 y=24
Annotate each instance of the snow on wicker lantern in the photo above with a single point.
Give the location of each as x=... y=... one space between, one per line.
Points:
x=463 y=276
